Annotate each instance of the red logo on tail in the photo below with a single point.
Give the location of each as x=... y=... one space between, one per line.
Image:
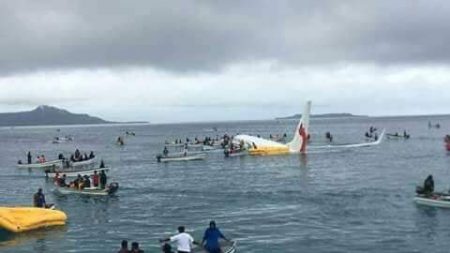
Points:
x=302 y=133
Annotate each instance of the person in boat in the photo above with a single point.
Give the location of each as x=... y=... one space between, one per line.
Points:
x=38 y=159
x=91 y=155
x=428 y=185
x=62 y=181
x=135 y=248
x=211 y=238
x=43 y=159
x=375 y=137
x=123 y=247
x=77 y=154
x=72 y=158
x=39 y=199
x=86 y=182
x=166 y=248
x=185 y=151
x=19 y=162
x=102 y=164
x=77 y=181
x=61 y=156
x=95 y=179
x=103 y=179
x=56 y=178
x=165 y=151
x=183 y=240
x=29 y=157
x=86 y=157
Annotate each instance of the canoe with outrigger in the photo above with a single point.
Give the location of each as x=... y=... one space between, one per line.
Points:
x=111 y=189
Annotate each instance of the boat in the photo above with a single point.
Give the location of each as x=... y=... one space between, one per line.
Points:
x=435 y=200
x=227 y=247
x=235 y=153
x=85 y=163
x=93 y=191
x=72 y=172
x=49 y=164
x=181 y=157
x=58 y=140
x=396 y=136
x=21 y=219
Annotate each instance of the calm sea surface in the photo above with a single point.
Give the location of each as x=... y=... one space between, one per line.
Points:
x=349 y=200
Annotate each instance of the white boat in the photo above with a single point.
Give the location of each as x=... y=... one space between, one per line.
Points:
x=397 y=136
x=71 y=172
x=86 y=163
x=49 y=164
x=180 y=158
x=58 y=140
x=435 y=200
x=93 y=191
x=235 y=153
x=227 y=247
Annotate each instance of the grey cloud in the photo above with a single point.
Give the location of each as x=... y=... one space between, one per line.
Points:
x=208 y=35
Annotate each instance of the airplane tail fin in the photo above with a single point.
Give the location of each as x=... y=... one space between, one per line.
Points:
x=298 y=143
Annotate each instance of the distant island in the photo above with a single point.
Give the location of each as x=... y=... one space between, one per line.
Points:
x=326 y=115
x=49 y=115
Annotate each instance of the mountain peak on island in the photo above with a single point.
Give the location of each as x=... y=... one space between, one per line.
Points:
x=48 y=108
x=47 y=115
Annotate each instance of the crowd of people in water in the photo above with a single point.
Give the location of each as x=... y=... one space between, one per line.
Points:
x=184 y=242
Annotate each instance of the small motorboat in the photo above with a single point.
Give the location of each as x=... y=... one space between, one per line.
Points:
x=434 y=200
x=21 y=219
x=181 y=157
x=45 y=165
x=397 y=136
x=93 y=191
x=83 y=164
x=235 y=153
x=58 y=140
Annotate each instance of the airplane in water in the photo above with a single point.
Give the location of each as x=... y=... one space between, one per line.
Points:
x=260 y=146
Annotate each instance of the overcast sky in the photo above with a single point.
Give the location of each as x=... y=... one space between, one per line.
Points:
x=172 y=61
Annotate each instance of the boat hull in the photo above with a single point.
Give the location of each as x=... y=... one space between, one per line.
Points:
x=49 y=164
x=436 y=201
x=181 y=158
x=94 y=191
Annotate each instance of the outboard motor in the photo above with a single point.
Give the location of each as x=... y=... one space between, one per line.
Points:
x=113 y=187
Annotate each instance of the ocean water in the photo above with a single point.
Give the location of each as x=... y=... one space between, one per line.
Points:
x=346 y=200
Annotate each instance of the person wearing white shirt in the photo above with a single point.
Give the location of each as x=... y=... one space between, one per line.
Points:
x=182 y=240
